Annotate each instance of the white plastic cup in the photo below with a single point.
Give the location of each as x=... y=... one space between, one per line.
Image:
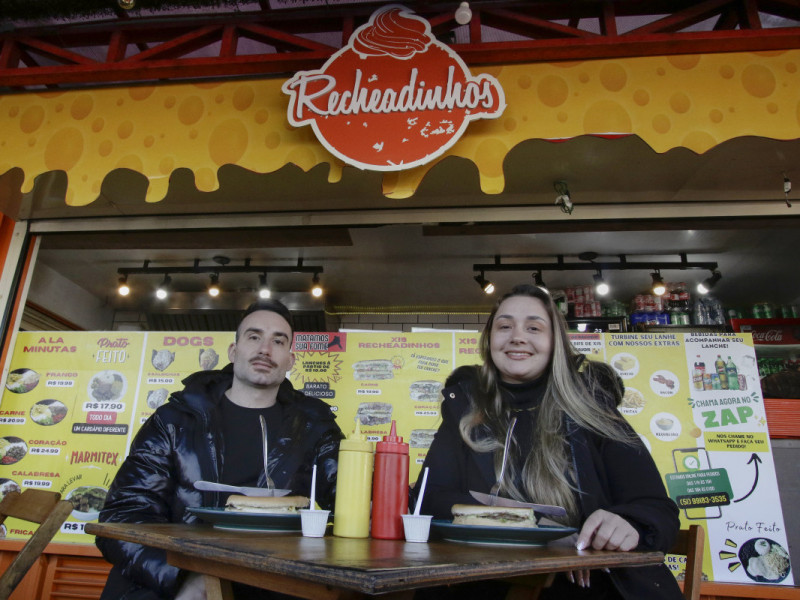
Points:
x=314 y=522
x=417 y=527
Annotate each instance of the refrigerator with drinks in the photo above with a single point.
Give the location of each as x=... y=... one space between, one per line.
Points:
x=777 y=346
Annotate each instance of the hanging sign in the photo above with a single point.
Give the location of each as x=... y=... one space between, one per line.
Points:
x=394 y=97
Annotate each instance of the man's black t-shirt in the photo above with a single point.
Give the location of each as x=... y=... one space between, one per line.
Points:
x=243 y=459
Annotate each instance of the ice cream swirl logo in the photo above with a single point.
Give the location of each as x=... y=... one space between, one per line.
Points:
x=394 y=97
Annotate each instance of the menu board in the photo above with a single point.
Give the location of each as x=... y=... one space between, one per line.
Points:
x=378 y=378
x=73 y=402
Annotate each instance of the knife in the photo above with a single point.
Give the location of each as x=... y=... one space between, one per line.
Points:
x=210 y=486
x=545 y=509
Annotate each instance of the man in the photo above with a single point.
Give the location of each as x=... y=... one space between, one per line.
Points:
x=211 y=431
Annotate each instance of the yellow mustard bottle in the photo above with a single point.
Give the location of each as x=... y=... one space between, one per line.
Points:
x=354 y=486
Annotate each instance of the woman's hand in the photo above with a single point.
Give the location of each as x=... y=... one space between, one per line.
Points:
x=604 y=530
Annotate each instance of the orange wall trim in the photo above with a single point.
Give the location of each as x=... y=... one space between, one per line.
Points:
x=6 y=231
x=711 y=590
x=783 y=417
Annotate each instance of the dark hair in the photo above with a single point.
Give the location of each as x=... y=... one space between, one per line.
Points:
x=269 y=305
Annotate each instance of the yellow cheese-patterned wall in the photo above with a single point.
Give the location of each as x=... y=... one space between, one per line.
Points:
x=694 y=101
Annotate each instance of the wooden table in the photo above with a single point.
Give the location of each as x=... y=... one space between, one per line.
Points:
x=332 y=567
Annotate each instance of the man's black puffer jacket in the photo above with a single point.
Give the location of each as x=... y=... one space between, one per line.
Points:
x=180 y=444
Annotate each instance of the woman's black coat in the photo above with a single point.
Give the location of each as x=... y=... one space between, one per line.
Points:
x=619 y=478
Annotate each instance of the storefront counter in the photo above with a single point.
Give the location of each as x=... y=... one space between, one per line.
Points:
x=63 y=571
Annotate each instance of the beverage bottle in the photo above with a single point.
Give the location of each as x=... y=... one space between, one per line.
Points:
x=719 y=365
x=733 y=375
x=700 y=313
x=353 y=486
x=390 y=487
x=697 y=375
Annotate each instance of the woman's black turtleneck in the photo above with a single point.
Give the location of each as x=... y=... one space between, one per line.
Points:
x=524 y=400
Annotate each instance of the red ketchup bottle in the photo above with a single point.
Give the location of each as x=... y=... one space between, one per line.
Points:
x=390 y=487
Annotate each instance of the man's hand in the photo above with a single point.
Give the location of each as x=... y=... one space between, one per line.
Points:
x=604 y=530
x=194 y=588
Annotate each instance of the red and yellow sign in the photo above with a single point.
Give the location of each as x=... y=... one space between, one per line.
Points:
x=394 y=97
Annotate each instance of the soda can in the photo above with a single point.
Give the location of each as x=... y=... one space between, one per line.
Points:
x=597 y=309
x=685 y=319
x=570 y=295
x=579 y=310
x=757 y=313
x=768 y=310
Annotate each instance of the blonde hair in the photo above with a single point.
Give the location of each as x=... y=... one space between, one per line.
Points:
x=547 y=474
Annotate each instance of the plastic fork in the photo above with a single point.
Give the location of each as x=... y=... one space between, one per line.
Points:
x=496 y=487
x=270 y=483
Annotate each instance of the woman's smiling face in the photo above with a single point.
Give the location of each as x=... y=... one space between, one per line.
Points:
x=521 y=342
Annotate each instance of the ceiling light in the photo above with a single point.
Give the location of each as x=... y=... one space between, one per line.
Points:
x=162 y=291
x=705 y=286
x=537 y=279
x=263 y=289
x=486 y=285
x=659 y=289
x=316 y=288
x=463 y=13
x=213 y=287
x=123 y=289
x=601 y=288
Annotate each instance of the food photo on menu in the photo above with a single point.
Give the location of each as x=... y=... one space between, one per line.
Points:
x=12 y=449
x=48 y=412
x=107 y=386
x=87 y=500
x=21 y=381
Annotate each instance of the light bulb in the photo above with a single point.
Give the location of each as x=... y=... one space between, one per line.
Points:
x=463 y=13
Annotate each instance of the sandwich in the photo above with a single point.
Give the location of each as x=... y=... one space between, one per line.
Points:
x=492 y=516
x=425 y=390
x=421 y=438
x=366 y=370
x=374 y=413
x=284 y=505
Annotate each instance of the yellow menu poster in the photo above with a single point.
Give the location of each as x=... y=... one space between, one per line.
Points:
x=170 y=357
x=377 y=378
x=65 y=417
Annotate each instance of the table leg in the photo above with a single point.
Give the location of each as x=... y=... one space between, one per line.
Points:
x=528 y=587
x=218 y=589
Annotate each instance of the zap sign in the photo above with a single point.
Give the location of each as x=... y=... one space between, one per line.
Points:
x=394 y=97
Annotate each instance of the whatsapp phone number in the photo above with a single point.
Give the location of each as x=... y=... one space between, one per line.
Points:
x=717 y=499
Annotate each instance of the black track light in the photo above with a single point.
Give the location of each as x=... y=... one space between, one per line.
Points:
x=123 y=289
x=601 y=288
x=162 y=291
x=316 y=287
x=486 y=285
x=705 y=286
x=659 y=289
x=213 y=286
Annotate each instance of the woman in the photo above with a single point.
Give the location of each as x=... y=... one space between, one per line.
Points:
x=570 y=447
